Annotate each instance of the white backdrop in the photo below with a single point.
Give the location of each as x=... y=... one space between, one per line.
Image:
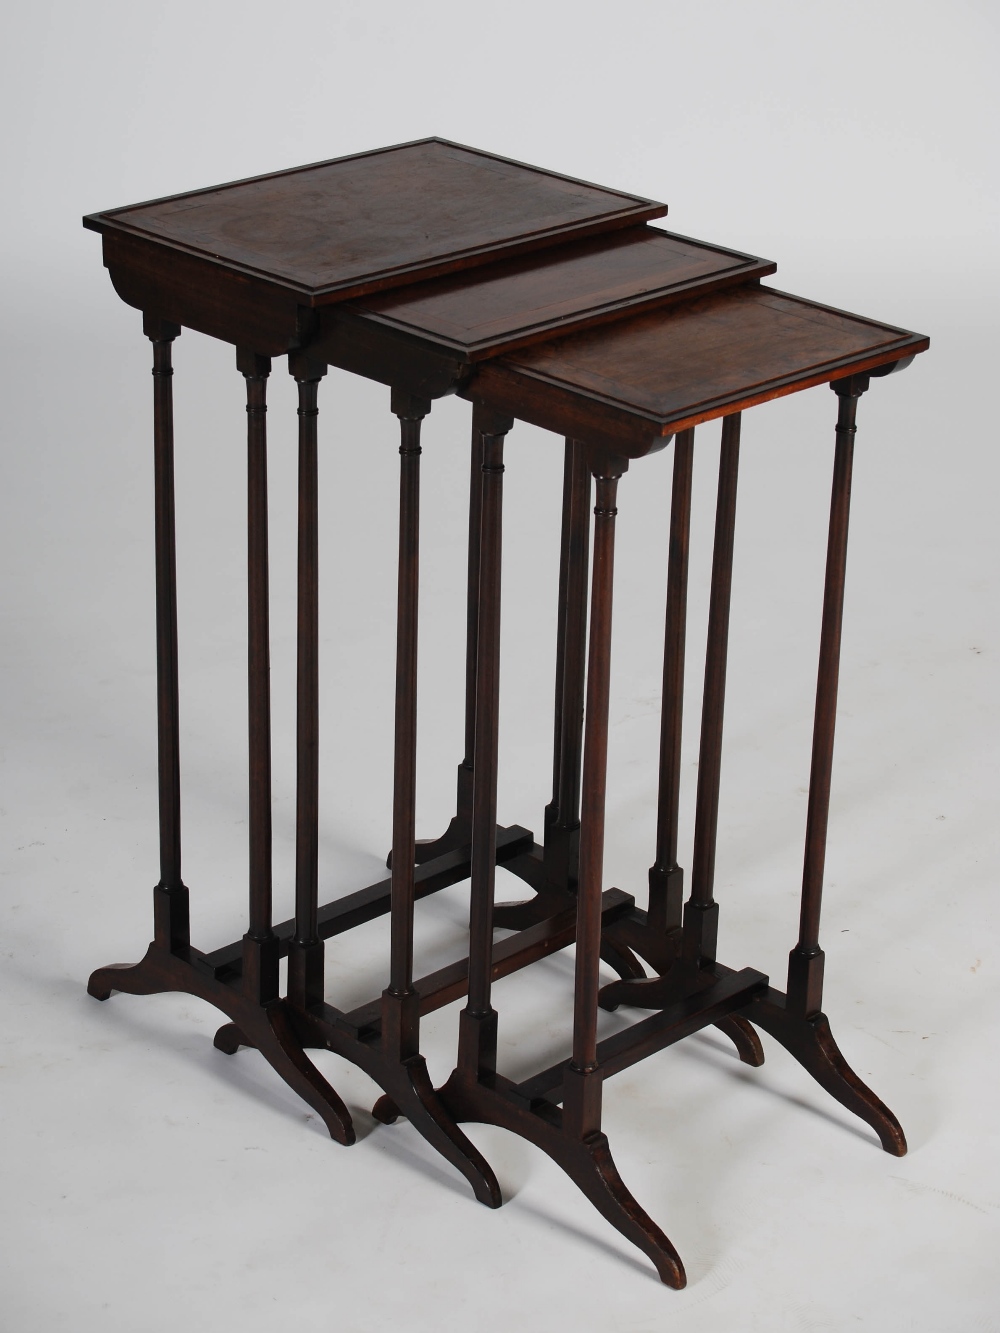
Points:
x=151 y=1183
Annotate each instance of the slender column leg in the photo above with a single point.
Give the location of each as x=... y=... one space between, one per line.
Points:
x=478 y=1022
x=666 y=878
x=553 y=872
x=400 y=1001
x=574 y=1138
x=305 y=957
x=409 y=1088
x=796 y=1019
x=459 y=831
x=805 y=964
x=171 y=916
x=256 y=1015
x=552 y=809
x=582 y=1095
x=563 y=813
x=467 y=766
x=701 y=916
x=260 y=957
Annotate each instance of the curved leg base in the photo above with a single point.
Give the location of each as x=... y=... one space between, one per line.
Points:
x=456 y=835
x=279 y=1046
x=547 y=900
x=744 y=1038
x=230 y=1038
x=606 y=1190
x=143 y=978
x=385 y=1110
x=655 y=992
x=265 y=1027
x=408 y=1092
x=424 y=1109
x=587 y=1162
x=811 y=1042
x=658 y=949
x=622 y=959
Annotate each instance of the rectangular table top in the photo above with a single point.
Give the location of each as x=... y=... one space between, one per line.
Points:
x=359 y=224
x=631 y=383
x=507 y=305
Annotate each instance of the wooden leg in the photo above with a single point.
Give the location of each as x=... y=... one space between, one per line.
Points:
x=305 y=955
x=260 y=946
x=811 y=1042
x=171 y=964
x=582 y=1096
x=587 y=1162
x=418 y=1102
x=172 y=925
x=665 y=877
x=400 y=1001
x=562 y=831
x=459 y=832
x=261 y=1026
x=658 y=939
x=171 y=919
x=805 y=964
x=400 y=1068
x=553 y=870
x=573 y=1137
x=797 y=1020
x=701 y=916
x=477 y=1025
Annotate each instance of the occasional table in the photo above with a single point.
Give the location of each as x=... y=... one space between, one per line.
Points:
x=436 y=269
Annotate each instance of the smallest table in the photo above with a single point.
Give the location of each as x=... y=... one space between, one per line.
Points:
x=622 y=391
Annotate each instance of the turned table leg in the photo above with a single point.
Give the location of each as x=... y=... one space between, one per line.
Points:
x=582 y=1102
x=400 y=1019
x=701 y=915
x=171 y=915
x=562 y=817
x=477 y=1030
x=415 y=1097
x=591 y=1165
x=666 y=878
x=459 y=831
x=260 y=951
x=553 y=869
x=305 y=956
x=796 y=1019
x=681 y=950
x=475 y=1091
x=172 y=930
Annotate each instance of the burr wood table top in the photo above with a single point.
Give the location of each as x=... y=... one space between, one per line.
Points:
x=508 y=305
x=359 y=224
x=634 y=383
x=427 y=338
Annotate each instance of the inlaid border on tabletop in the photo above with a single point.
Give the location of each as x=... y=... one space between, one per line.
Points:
x=633 y=384
x=511 y=304
x=358 y=224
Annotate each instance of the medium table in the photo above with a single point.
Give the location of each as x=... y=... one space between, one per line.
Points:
x=436 y=269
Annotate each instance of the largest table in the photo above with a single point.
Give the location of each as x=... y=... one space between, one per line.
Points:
x=436 y=269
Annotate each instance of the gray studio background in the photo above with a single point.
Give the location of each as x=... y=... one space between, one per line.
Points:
x=148 y=1182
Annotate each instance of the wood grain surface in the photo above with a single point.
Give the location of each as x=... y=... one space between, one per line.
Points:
x=358 y=224
x=511 y=304
x=650 y=376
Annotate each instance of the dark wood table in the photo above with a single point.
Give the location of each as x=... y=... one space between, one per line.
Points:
x=437 y=269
